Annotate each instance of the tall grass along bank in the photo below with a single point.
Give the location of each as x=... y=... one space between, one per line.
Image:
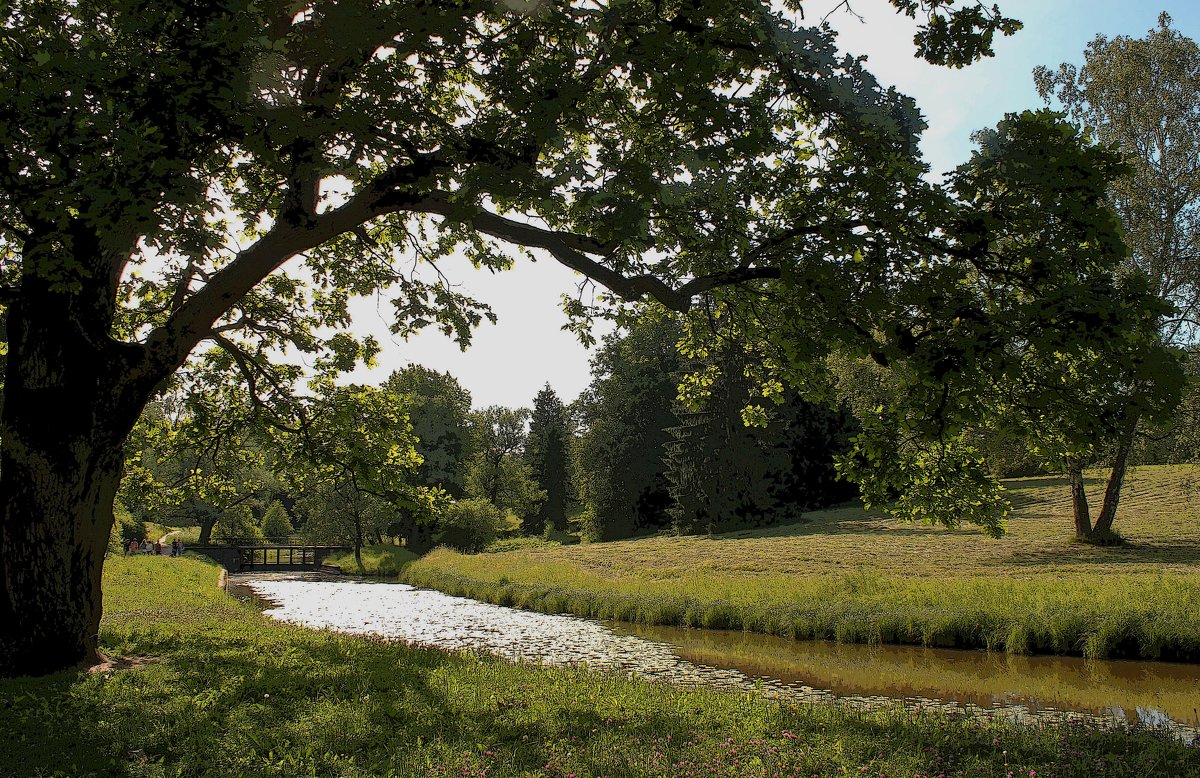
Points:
x=203 y=685
x=377 y=560
x=852 y=576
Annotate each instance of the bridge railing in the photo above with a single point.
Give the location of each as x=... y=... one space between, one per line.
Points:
x=234 y=540
x=240 y=557
x=279 y=555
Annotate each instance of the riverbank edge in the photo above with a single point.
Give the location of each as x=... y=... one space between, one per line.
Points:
x=1146 y=617
x=378 y=561
x=224 y=690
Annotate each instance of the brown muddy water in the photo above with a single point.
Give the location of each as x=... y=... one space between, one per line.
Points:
x=1152 y=694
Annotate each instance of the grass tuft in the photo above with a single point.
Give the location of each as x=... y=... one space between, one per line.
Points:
x=1108 y=537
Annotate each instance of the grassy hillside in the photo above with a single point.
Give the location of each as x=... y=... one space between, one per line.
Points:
x=204 y=685
x=852 y=575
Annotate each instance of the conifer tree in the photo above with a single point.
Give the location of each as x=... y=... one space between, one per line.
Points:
x=547 y=452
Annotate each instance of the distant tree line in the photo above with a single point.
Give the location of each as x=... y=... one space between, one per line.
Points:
x=410 y=462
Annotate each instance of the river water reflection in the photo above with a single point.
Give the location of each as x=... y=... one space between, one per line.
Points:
x=1152 y=693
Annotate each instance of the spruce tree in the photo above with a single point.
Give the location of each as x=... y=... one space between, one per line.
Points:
x=547 y=452
x=725 y=475
x=624 y=416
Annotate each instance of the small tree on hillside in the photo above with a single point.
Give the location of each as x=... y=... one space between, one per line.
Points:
x=354 y=454
x=337 y=513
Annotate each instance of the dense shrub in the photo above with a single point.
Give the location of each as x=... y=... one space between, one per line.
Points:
x=470 y=525
x=276 y=523
x=238 y=526
x=587 y=523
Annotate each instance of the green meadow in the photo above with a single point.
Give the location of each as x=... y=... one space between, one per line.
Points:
x=200 y=684
x=851 y=575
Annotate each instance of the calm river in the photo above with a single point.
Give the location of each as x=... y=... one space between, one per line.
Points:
x=1158 y=694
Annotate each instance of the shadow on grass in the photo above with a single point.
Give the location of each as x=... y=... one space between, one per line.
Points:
x=1045 y=482
x=865 y=526
x=48 y=727
x=221 y=704
x=1084 y=554
x=211 y=705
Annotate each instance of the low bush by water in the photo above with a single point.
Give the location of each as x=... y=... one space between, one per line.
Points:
x=204 y=685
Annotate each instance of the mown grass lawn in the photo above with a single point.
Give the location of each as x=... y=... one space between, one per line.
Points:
x=851 y=575
x=204 y=685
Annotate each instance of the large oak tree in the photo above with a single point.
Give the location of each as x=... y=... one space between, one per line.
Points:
x=160 y=162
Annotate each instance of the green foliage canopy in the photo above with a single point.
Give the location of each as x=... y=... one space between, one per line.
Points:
x=439 y=410
x=164 y=161
x=161 y=163
x=719 y=149
x=498 y=471
x=624 y=415
x=276 y=523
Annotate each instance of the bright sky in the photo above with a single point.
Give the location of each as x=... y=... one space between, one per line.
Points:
x=510 y=361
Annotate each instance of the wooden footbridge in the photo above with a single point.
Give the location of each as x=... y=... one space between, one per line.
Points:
x=244 y=558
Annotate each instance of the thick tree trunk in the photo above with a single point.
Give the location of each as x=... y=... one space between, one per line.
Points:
x=56 y=526
x=67 y=410
x=206 y=528
x=1079 y=502
x=1116 y=479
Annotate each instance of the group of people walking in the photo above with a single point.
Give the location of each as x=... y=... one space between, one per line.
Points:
x=144 y=546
